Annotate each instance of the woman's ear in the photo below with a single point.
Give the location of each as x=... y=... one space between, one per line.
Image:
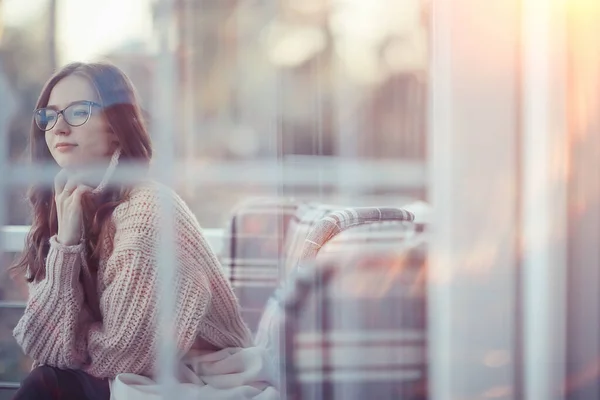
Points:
x=114 y=144
x=114 y=139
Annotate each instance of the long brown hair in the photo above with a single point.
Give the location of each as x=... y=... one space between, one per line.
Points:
x=123 y=114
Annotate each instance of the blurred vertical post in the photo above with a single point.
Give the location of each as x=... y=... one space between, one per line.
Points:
x=583 y=315
x=350 y=122
x=1 y=21
x=7 y=108
x=163 y=135
x=52 y=35
x=544 y=197
x=273 y=90
x=188 y=48
x=4 y=188
x=473 y=172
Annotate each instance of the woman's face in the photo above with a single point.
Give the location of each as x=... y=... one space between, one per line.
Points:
x=73 y=146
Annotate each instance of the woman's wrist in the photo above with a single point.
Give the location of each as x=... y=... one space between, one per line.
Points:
x=63 y=264
x=65 y=241
x=67 y=246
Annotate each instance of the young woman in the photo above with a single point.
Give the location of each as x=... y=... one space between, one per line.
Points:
x=90 y=258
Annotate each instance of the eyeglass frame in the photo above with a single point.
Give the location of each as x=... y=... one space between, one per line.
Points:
x=89 y=103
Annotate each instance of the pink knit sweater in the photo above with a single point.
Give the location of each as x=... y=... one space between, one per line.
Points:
x=113 y=329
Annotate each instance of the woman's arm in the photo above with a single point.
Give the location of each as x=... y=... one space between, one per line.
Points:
x=127 y=339
x=56 y=330
x=55 y=310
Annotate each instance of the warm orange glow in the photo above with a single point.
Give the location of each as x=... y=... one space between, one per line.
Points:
x=582 y=6
x=585 y=55
x=582 y=99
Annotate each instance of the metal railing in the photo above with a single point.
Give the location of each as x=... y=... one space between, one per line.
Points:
x=12 y=238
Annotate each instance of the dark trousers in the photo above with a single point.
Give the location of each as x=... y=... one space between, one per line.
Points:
x=49 y=383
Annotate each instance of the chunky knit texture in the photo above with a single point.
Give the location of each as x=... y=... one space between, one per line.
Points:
x=114 y=330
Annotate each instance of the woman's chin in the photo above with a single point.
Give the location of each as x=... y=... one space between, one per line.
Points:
x=68 y=163
x=77 y=161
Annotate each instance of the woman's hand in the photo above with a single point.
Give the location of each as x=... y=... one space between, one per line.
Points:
x=67 y=194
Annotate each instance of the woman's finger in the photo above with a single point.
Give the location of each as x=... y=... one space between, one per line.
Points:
x=70 y=186
x=73 y=182
x=59 y=181
x=81 y=189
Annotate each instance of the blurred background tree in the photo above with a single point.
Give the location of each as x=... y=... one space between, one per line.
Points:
x=320 y=69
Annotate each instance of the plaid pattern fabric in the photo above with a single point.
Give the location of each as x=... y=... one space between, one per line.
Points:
x=306 y=217
x=312 y=233
x=374 y=236
x=253 y=250
x=355 y=327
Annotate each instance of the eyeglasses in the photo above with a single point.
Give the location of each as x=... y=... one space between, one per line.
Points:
x=75 y=114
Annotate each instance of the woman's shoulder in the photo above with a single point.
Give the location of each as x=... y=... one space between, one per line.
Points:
x=146 y=200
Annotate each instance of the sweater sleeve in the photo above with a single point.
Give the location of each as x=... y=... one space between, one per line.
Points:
x=54 y=330
x=55 y=310
x=127 y=339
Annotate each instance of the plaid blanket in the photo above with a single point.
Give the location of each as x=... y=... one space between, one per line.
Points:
x=306 y=217
x=320 y=224
x=371 y=237
x=266 y=233
x=253 y=251
x=387 y=243
x=355 y=327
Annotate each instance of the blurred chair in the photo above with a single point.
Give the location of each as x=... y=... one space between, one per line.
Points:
x=254 y=250
x=355 y=324
x=338 y=238
x=335 y=222
x=301 y=224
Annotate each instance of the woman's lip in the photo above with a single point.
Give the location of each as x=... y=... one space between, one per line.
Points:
x=64 y=148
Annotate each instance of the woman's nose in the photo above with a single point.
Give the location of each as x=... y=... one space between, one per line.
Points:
x=61 y=127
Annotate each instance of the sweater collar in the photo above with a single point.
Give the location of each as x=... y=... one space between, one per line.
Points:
x=112 y=166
